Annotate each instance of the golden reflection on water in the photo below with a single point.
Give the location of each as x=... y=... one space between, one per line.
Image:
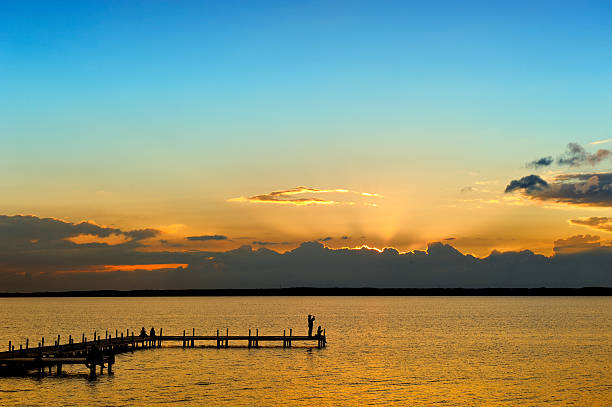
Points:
x=510 y=351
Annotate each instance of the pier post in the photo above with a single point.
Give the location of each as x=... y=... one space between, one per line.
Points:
x=249 y=346
x=69 y=339
x=92 y=371
x=27 y=343
x=111 y=362
x=184 y=338
x=58 y=341
x=284 y=339
x=43 y=341
x=218 y=340
x=192 y=336
x=59 y=369
x=9 y=346
x=83 y=338
x=121 y=336
x=161 y=333
x=290 y=335
x=227 y=337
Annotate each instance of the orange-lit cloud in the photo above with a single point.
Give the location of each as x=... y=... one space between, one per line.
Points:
x=287 y=197
x=576 y=244
x=110 y=240
x=147 y=267
x=594 y=222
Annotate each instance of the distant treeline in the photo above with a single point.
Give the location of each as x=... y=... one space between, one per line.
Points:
x=313 y=291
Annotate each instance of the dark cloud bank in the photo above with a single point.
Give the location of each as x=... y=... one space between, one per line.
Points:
x=587 y=189
x=55 y=264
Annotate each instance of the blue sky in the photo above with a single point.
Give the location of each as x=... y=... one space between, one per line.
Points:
x=200 y=102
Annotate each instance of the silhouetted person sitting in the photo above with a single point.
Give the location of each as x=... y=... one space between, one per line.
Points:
x=311 y=319
x=143 y=333
x=319 y=331
x=152 y=332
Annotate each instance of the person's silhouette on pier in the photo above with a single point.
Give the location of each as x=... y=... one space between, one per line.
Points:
x=311 y=319
x=152 y=332
x=319 y=331
x=143 y=333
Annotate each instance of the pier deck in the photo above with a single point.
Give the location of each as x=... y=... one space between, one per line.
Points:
x=101 y=352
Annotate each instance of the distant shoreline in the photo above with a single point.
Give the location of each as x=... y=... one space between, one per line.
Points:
x=312 y=291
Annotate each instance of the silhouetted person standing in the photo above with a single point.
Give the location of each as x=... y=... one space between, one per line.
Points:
x=311 y=320
x=152 y=332
x=319 y=331
x=143 y=333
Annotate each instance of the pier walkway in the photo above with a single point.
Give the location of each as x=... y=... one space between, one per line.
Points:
x=99 y=352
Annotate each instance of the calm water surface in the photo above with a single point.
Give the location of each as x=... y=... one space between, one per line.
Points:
x=507 y=351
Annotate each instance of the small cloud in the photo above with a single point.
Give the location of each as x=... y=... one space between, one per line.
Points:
x=326 y=239
x=528 y=183
x=594 y=222
x=608 y=140
x=141 y=234
x=576 y=156
x=576 y=243
x=288 y=197
x=207 y=237
x=542 y=162
x=466 y=190
x=260 y=243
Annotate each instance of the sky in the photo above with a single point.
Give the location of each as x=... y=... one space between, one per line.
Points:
x=270 y=124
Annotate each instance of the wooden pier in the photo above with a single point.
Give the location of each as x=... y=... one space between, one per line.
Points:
x=100 y=353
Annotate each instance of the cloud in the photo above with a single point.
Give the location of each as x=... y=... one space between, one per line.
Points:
x=609 y=140
x=542 y=162
x=326 y=239
x=594 y=222
x=528 y=183
x=264 y=243
x=466 y=190
x=344 y=237
x=576 y=156
x=578 y=261
x=288 y=197
x=207 y=237
x=577 y=243
x=587 y=189
x=22 y=228
x=141 y=234
x=36 y=255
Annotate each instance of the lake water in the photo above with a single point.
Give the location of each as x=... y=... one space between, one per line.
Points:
x=451 y=351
